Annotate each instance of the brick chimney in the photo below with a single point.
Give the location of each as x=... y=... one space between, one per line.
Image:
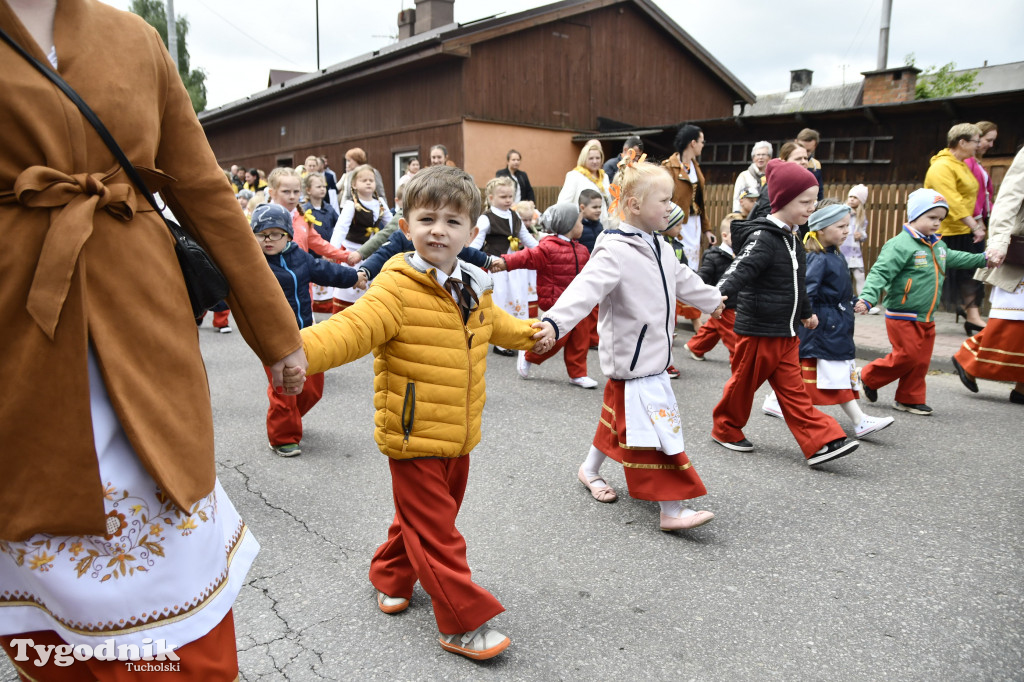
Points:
x=406 y=20
x=431 y=14
x=800 y=79
x=887 y=86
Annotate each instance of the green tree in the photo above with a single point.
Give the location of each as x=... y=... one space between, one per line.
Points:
x=155 y=14
x=942 y=81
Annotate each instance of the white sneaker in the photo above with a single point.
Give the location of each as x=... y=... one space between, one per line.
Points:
x=771 y=406
x=224 y=330
x=583 y=382
x=874 y=310
x=479 y=644
x=693 y=355
x=522 y=366
x=872 y=424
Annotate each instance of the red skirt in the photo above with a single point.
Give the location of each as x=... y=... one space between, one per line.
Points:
x=823 y=396
x=687 y=312
x=996 y=352
x=650 y=474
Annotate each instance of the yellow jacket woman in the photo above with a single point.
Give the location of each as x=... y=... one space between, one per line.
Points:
x=950 y=177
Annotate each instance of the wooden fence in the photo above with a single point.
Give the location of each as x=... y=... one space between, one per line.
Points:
x=886 y=207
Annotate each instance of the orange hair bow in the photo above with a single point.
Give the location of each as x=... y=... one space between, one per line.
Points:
x=629 y=159
x=615 y=191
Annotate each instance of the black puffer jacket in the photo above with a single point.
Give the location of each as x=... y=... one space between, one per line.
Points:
x=766 y=280
x=713 y=265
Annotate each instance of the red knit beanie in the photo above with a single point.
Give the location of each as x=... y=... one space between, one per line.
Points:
x=786 y=181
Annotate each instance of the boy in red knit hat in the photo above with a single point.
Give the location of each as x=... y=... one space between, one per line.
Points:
x=767 y=282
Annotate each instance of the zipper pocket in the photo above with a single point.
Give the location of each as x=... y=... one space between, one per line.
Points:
x=636 y=353
x=408 y=408
x=906 y=290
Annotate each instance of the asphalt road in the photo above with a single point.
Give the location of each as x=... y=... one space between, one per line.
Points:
x=902 y=561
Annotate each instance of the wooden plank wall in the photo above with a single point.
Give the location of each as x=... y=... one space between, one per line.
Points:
x=887 y=207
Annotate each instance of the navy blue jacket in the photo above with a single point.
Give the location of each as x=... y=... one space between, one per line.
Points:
x=831 y=295
x=591 y=228
x=295 y=269
x=713 y=265
x=399 y=243
x=327 y=216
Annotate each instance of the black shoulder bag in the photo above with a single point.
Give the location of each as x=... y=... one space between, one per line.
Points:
x=204 y=281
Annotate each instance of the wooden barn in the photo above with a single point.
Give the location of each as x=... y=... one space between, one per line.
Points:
x=530 y=81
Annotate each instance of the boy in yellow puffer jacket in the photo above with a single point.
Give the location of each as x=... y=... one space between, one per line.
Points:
x=428 y=318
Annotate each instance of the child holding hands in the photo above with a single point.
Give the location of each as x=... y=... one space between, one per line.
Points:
x=767 y=282
x=910 y=269
x=428 y=318
x=637 y=279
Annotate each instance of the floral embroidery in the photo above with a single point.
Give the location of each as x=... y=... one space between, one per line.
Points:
x=672 y=415
x=133 y=541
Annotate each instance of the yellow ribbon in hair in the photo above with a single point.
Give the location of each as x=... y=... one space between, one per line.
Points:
x=513 y=243
x=370 y=231
x=814 y=236
x=308 y=215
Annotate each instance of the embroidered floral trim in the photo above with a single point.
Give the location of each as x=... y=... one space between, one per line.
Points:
x=133 y=541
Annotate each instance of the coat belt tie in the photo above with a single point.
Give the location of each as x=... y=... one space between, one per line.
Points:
x=77 y=197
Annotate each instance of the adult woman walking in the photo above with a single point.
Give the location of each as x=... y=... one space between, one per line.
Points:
x=587 y=174
x=997 y=351
x=113 y=525
x=949 y=176
x=688 y=192
x=753 y=177
x=986 y=194
x=524 y=191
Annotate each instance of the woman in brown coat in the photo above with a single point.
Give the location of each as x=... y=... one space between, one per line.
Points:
x=108 y=461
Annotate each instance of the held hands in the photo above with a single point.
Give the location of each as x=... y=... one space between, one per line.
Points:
x=861 y=308
x=353 y=257
x=718 y=311
x=289 y=373
x=498 y=265
x=545 y=337
x=811 y=322
x=995 y=256
x=361 y=283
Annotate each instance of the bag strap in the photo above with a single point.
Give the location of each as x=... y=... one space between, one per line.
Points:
x=104 y=134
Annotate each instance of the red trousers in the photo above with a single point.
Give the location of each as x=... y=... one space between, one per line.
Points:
x=212 y=657
x=713 y=331
x=220 y=318
x=576 y=344
x=775 y=359
x=650 y=473
x=284 y=416
x=594 y=338
x=423 y=544
x=912 y=344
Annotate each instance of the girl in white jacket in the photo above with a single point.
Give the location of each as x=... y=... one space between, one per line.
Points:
x=637 y=279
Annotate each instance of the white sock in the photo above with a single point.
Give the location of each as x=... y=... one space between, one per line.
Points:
x=853 y=411
x=592 y=465
x=675 y=509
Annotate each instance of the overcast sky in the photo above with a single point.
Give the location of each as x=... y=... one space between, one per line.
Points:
x=758 y=40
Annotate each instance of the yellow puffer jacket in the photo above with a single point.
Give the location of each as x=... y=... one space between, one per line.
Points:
x=950 y=177
x=429 y=368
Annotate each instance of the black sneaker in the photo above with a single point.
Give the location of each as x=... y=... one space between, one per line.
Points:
x=834 y=450
x=966 y=379
x=1016 y=397
x=913 y=409
x=742 y=445
x=870 y=393
x=504 y=351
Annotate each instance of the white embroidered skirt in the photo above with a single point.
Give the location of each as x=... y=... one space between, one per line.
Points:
x=511 y=292
x=158 y=573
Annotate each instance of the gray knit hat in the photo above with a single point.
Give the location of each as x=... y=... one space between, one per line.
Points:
x=560 y=218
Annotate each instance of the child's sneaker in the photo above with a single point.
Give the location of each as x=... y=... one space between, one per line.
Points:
x=522 y=366
x=913 y=409
x=479 y=644
x=771 y=406
x=693 y=355
x=224 y=330
x=840 y=447
x=741 y=445
x=287 y=450
x=391 y=604
x=582 y=382
x=872 y=424
x=672 y=372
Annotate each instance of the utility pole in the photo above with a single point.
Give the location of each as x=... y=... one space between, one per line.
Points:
x=172 y=33
x=883 y=36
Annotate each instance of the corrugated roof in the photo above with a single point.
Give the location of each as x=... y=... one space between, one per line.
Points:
x=814 y=98
x=995 y=78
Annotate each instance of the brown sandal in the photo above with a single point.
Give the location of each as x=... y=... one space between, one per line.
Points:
x=601 y=494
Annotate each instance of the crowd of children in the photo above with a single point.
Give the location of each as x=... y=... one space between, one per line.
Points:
x=452 y=277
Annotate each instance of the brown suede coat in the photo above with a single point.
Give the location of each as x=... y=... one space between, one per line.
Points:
x=84 y=260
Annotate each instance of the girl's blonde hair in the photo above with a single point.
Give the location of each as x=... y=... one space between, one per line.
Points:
x=726 y=225
x=637 y=179
x=308 y=181
x=274 y=179
x=356 y=172
x=585 y=152
x=494 y=183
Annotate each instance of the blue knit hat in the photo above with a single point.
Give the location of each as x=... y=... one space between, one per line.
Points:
x=923 y=200
x=270 y=216
x=826 y=216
